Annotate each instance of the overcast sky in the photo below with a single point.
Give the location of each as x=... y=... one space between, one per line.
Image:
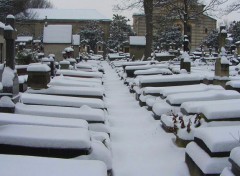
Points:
x=105 y=7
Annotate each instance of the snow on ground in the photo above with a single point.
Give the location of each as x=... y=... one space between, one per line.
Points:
x=139 y=145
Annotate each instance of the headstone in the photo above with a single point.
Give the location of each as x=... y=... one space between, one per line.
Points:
x=11 y=83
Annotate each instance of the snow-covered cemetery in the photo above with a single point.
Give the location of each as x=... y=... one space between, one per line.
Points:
x=85 y=95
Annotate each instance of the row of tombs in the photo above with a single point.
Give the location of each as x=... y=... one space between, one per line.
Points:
x=196 y=105
x=54 y=120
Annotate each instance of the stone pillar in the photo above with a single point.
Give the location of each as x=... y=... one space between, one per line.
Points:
x=6 y=105
x=10 y=83
x=221 y=69
x=10 y=36
x=38 y=76
x=185 y=43
x=76 y=51
x=185 y=62
x=222 y=38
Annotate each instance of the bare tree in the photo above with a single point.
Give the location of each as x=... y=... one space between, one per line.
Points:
x=186 y=10
x=147 y=6
x=40 y=4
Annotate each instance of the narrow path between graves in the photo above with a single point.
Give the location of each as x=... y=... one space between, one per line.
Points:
x=139 y=145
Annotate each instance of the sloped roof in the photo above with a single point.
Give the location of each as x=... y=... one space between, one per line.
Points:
x=137 y=40
x=67 y=14
x=57 y=34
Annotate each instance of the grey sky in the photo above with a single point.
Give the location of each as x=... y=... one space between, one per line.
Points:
x=106 y=7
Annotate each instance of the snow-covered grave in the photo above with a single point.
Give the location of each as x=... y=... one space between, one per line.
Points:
x=40 y=166
x=55 y=100
x=153 y=71
x=73 y=83
x=86 y=92
x=90 y=80
x=78 y=73
x=165 y=91
x=85 y=112
x=169 y=80
x=137 y=63
x=22 y=119
x=130 y=70
x=195 y=107
x=151 y=92
x=235 y=161
x=36 y=136
x=89 y=67
x=214 y=145
x=233 y=84
x=179 y=98
x=115 y=56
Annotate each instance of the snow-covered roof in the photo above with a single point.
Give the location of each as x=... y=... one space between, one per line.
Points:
x=76 y=40
x=24 y=39
x=57 y=34
x=137 y=40
x=68 y=14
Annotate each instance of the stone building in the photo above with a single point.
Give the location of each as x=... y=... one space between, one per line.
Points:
x=137 y=46
x=198 y=28
x=56 y=38
x=75 y=17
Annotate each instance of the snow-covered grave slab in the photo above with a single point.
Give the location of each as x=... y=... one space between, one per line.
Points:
x=78 y=73
x=48 y=141
x=169 y=80
x=83 y=66
x=137 y=63
x=92 y=80
x=22 y=119
x=217 y=141
x=130 y=70
x=42 y=166
x=73 y=83
x=55 y=100
x=200 y=163
x=87 y=92
x=220 y=112
x=153 y=71
x=161 y=108
x=235 y=160
x=233 y=85
x=85 y=112
x=227 y=172
x=195 y=107
x=179 y=98
x=214 y=145
x=165 y=91
x=115 y=56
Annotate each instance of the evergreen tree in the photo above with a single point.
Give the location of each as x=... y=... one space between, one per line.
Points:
x=119 y=31
x=169 y=35
x=212 y=40
x=92 y=33
x=235 y=31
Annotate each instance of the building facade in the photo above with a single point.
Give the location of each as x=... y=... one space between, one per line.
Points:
x=198 y=28
x=75 y=17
